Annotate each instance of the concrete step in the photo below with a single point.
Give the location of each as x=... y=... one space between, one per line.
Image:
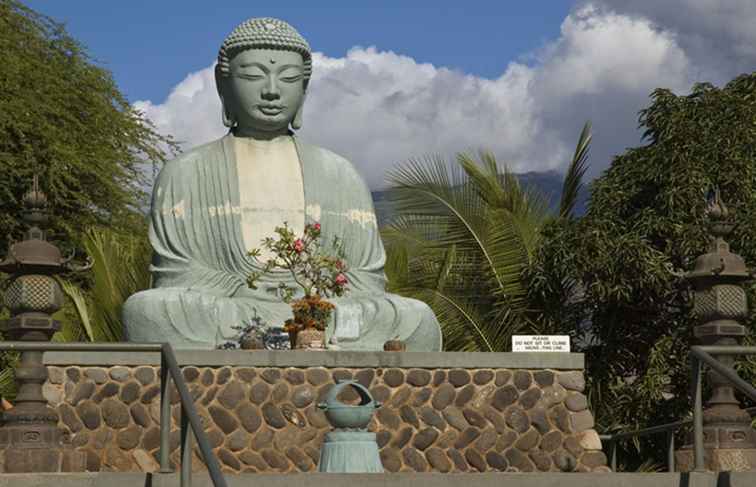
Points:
x=114 y=479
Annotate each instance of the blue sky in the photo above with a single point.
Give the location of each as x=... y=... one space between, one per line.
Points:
x=400 y=80
x=151 y=45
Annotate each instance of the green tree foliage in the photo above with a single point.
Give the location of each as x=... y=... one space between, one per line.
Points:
x=119 y=268
x=463 y=237
x=612 y=277
x=62 y=116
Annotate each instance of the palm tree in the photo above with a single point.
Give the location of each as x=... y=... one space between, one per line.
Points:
x=119 y=268
x=462 y=239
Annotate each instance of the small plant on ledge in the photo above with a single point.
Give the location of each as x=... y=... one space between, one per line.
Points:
x=251 y=335
x=316 y=275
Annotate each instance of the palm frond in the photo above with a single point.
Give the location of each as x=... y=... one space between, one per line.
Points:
x=495 y=188
x=451 y=208
x=465 y=238
x=7 y=383
x=429 y=188
x=515 y=215
x=397 y=260
x=120 y=267
x=575 y=172
x=82 y=310
x=501 y=190
x=464 y=328
x=510 y=254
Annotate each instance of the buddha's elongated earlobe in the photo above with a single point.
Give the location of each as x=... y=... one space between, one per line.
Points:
x=296 y=124
x=227 y=117
x=228 y=120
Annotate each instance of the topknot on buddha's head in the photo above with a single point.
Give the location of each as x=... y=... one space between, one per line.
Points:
x=264 y=33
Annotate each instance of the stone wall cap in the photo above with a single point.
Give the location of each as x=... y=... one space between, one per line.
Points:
x=316 y=479
x=350 y=359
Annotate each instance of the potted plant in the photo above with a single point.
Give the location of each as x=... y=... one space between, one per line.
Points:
x=317 y=276
x=251 y=335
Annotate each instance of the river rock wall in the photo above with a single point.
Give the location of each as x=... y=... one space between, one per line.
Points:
x=261 y=414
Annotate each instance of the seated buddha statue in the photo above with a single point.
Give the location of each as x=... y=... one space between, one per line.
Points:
x=216 y=202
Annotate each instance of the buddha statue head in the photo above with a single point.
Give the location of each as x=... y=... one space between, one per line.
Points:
x=263 y=69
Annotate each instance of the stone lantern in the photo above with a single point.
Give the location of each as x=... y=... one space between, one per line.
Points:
x=721 y=306
x=30 y=440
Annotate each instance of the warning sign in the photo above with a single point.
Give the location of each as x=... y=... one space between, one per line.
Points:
x=541 y=343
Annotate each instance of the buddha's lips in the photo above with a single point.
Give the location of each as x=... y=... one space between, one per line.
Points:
x=271 y=109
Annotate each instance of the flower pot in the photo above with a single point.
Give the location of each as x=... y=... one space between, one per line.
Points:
x=252 y=342
x=310 y=339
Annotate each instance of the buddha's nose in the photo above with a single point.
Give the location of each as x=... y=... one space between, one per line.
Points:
x=270 y=91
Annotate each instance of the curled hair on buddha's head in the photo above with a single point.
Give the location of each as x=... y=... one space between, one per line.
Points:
x=264 y=33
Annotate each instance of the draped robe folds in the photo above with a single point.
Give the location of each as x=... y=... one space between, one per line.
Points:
x=200 y=261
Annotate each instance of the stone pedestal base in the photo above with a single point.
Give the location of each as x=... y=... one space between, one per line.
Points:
x=718 y=460
x=31 y=442
x=350 y=452
x=38 y=460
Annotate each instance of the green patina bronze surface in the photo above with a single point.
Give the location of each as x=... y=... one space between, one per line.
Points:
x=201 y=219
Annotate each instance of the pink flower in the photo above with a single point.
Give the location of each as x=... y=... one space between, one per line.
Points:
x=298 y=245
x=341 y=280
x=316 y=227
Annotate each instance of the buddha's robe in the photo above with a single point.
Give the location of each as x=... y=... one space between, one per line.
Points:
x=201 y=230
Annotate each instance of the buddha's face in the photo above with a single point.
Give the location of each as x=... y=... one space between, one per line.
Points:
x=265 y=89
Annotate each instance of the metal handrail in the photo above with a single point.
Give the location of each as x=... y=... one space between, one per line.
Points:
x=669 y=428
x=699 y=353
x=169 y=370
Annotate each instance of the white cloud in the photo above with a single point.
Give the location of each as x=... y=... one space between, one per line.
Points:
x=718 y=35
x=191 y=113
x=601 y=51
x=379 y=108
x=603 y=68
